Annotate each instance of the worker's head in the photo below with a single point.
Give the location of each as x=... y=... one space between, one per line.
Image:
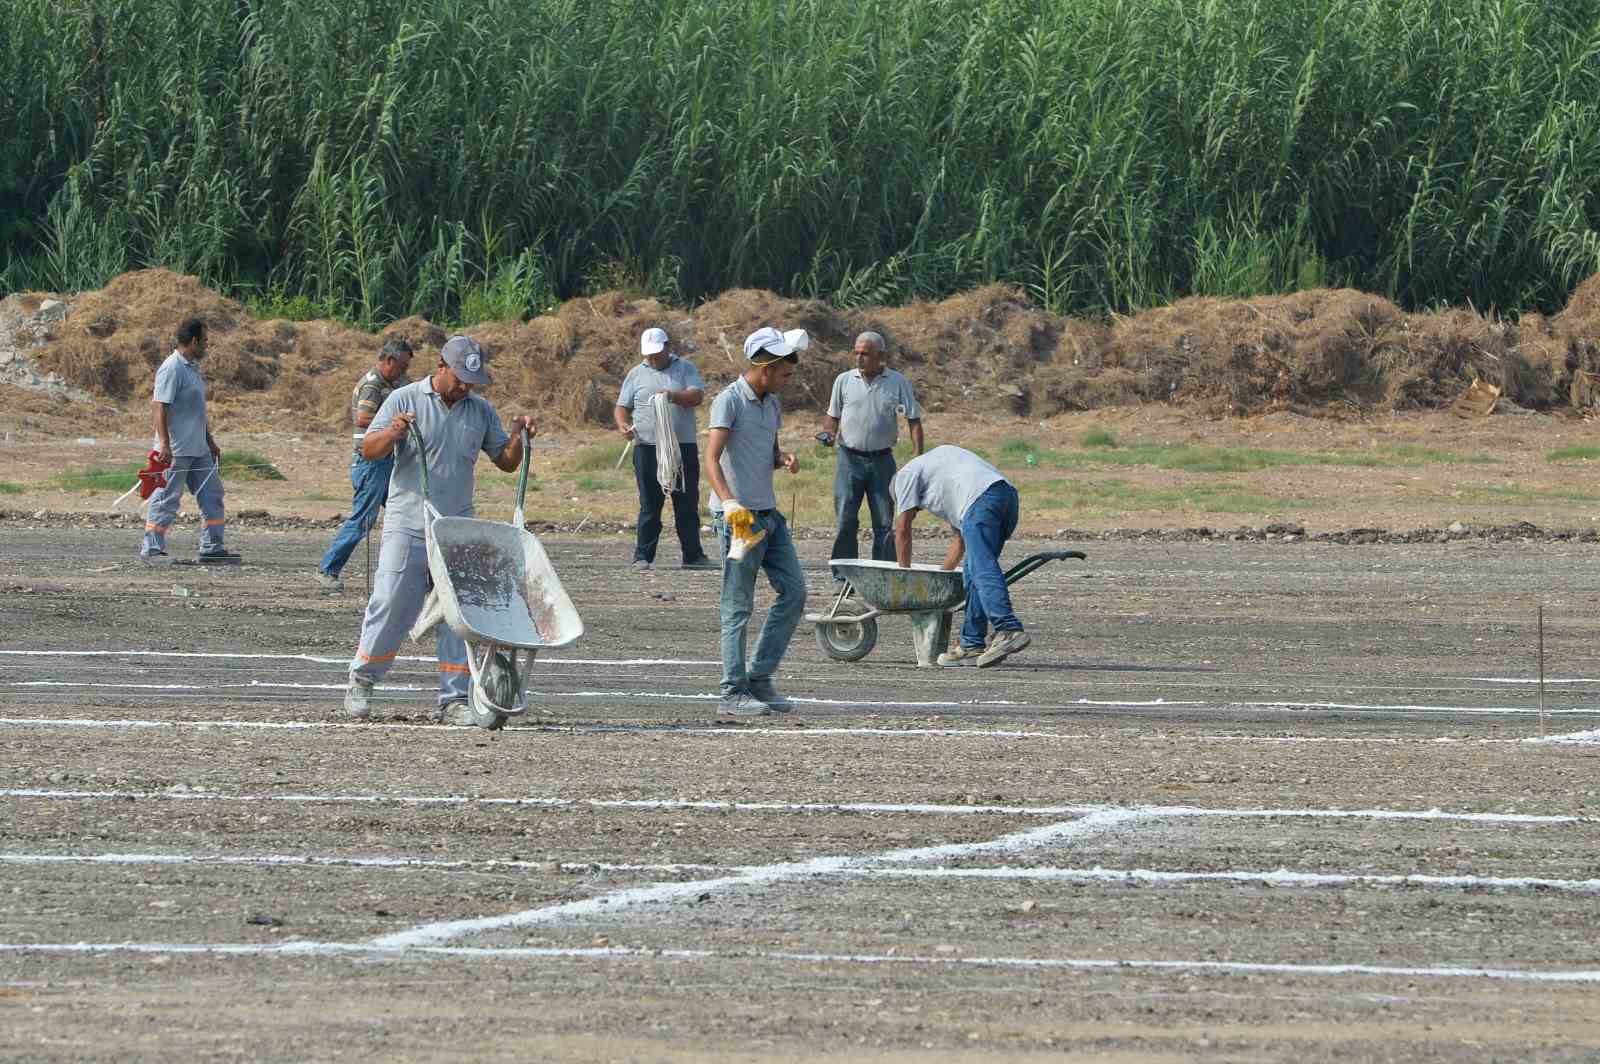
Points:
x=462 y=365
x=869 y=354
x=772 y=360
x=192 y=339
x=394 y=360
x=653 y=346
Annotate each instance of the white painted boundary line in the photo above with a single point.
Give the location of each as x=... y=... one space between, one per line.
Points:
x=316 y=659
x=435 y=934
x=1581 y=738
x=1141 y=876
x=304 y=949
x=914 y=808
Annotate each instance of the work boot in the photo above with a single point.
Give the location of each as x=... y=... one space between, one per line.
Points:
x=457 y=711
x=743 y=704
x=155 y=557
x=701 y=562
x=1002 y=644
x=960 y=656
x=218 y=557
x=640 y=565
x=763 y=691
x=358 y=700
x=330 y=582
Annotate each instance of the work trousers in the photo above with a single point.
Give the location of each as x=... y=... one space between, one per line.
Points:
x=987 y=524
x=398 y=591
x=203 y=478
x=369 y=482
x=775 y=555
x=685 y=504
x=857 y=474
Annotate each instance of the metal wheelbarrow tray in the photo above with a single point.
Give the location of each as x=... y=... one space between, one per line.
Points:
x=928 y=595
x=494 y=587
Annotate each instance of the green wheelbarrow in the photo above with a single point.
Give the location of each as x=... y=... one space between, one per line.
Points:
x=494 y=586
x=928 y=595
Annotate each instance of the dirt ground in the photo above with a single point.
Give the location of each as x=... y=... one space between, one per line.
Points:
x=1238 y=801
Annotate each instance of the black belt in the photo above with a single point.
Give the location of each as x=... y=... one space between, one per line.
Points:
x=867 y=454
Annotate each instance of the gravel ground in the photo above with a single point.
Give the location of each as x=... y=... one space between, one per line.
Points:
x=1222 y=772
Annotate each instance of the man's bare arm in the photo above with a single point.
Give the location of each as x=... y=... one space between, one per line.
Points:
x=902 y=537
x=958 y=550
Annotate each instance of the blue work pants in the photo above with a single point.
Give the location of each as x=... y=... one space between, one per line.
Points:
x=774 y=554
x=987 y=524
x=370 y=484
x=857 y=474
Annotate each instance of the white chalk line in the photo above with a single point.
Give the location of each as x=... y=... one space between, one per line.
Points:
x=320 y=660
x=488 y=953
x=434 y=934
x=1281 y=877
x=712 y=805
x=1580 y=738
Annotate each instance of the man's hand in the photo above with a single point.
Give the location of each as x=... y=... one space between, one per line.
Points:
x=164 y=451
x=216 y=452
x=626 y=430
x=525 y=421
x=790 y=461
x=400 y=425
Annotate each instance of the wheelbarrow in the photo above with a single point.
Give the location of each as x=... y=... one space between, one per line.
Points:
x=494 y=586
x=928 y=595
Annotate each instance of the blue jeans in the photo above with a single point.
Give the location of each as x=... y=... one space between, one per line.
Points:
x=856 y=474
x=685 y=504
x=987 y=525
x=371 y=483
x=776 y=555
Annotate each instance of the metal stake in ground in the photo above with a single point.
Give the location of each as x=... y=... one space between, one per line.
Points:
x=1541 y=670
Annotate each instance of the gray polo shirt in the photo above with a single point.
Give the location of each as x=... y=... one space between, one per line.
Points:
x=945 y=481
x=644 y=381
x=752 y=450
x=868 y=411
x=180 y=386
x=367 y=398
x=452 y=437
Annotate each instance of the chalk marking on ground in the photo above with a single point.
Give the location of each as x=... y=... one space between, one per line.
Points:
x=1578 y=738
x=360 y=950
x=915 y=808
x=433 y=934
x=318 y=659
x=1276 y=878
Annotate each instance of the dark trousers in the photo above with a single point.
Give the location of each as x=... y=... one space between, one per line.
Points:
x=685 y=504
x=858 y=474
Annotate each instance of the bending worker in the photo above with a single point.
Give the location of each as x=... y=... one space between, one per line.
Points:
x=183 y=439
x=675 y=376
x=368 y=480
x=864 y=410
x=455 y=425
x=981 y=507
x=741 y=455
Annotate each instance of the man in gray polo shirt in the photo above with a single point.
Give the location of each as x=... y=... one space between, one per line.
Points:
x=981 y=507
x=662 y=371
x=455 y=425
x=865 y=410
x=183 y=438
x=741 y=454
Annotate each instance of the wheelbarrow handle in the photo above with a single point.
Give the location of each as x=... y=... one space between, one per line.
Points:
x=522 y=478
x=1034 y=562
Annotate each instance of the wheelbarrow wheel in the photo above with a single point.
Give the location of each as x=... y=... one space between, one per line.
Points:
x=484 y=716
x=847 y=640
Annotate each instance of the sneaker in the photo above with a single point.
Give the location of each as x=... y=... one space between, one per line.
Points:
x=640 y=565
x=457 y=711
x=743 y=704
x=1002 y=644
x=763 y=691
x=960 y=656
x=329 y=581
x=155 y=557
x=701 y=562
x=218 y=557
x=358 y=700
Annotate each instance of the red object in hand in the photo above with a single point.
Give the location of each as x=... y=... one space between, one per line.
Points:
x=153 y=475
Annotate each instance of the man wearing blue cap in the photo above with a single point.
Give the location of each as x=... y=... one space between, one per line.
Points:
x=454 y=425
x=741 y=455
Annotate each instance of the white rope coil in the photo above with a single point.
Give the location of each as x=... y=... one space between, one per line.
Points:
x=669 y=456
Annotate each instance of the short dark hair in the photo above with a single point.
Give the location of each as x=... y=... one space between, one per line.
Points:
x=396 y=349
x=191 y=330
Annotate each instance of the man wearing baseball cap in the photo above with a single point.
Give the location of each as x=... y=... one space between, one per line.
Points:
x=741 y=455
x=454 y=425
x=663 y=372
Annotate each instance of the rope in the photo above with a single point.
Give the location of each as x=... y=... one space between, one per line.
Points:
x=669 y=457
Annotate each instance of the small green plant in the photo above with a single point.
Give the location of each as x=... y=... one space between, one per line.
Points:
x=1098 y=438
x=1579 y=452
x=277 y=303
x=8 y=488
x=591 y=482
x=600 y=457
x=236 y=465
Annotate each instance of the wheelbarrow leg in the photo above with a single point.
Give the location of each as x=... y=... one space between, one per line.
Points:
x=930 y=634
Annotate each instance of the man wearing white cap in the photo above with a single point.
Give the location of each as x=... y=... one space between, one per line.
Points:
x=663 y=372
x=741 y=455
x=454 y=425
x=865 y=410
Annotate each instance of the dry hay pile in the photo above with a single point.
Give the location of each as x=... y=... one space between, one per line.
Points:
x=988 y=350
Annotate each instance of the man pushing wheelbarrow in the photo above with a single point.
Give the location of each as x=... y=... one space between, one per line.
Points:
x=454 y=425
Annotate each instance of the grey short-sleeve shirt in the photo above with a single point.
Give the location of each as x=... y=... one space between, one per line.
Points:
x=367 y=398
x=181 y=388
x=869 y=411
x=452 y=437
x=945 y=481
x=644 y=381
x=747 y=460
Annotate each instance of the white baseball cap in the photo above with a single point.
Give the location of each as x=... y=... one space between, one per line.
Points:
x=767 y=344
x=797 y=339
x=652 y=341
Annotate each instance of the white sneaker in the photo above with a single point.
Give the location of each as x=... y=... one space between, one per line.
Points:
x=1002 y=644
x=744 y=704
x=358 y=700
x=329 y=582
x=960 y=656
